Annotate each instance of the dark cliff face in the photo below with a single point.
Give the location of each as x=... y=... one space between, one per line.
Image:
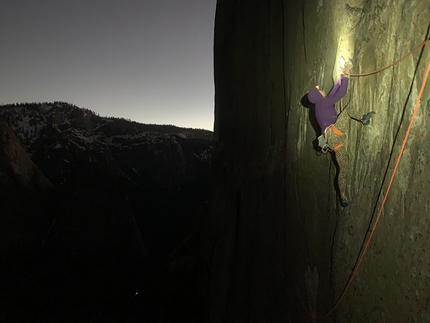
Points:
x=23 y=188
x=93 y=206
x=278 y=241
x=59 y=135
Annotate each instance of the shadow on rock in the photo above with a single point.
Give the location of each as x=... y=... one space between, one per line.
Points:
x=313 y=120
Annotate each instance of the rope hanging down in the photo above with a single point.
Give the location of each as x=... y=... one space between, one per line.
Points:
x=372 y=231
x=367 y=242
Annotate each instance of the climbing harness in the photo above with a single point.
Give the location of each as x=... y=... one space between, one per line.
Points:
x=323 y=139
x=367 y=241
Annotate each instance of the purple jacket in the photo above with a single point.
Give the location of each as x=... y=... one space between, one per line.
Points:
x=324 y=106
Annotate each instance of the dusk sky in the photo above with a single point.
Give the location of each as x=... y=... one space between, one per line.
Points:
x=146 y=60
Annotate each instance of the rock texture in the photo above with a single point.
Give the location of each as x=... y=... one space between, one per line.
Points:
x=278 y=241
x=23 y=188
x=58 y=135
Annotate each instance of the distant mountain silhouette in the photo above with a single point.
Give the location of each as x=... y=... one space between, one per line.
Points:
x=93 y=206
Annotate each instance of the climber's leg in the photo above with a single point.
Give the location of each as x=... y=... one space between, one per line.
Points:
x=364 y=119
x=353 y=115
x=342 y=161
x=342 y=121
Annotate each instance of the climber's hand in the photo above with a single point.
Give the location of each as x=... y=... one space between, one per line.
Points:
x=346 y=69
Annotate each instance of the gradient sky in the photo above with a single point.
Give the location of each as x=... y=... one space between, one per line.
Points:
x=146 y=60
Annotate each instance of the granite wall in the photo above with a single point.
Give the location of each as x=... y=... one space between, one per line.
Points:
x=278 y=241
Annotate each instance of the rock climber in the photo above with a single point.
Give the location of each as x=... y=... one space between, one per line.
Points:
x=334 y=126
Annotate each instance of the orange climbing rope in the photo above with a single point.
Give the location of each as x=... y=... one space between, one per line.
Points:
x=372 y=231
x=394 y=63
x=367 y=242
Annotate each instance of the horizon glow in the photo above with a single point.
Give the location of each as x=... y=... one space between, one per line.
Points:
x=149 y=62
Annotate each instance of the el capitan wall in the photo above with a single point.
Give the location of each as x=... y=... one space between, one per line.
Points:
x=274 y=210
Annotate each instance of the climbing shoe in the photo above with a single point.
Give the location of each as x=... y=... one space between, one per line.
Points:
x=344 y=202
x=366 y=118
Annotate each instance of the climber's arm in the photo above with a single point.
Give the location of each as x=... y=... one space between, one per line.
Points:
x=340 y=93
x=335 y=87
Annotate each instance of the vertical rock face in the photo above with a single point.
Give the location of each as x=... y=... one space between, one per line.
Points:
x=278 y=239
x=23 y=188
x=247 y=220
x=15 y=159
